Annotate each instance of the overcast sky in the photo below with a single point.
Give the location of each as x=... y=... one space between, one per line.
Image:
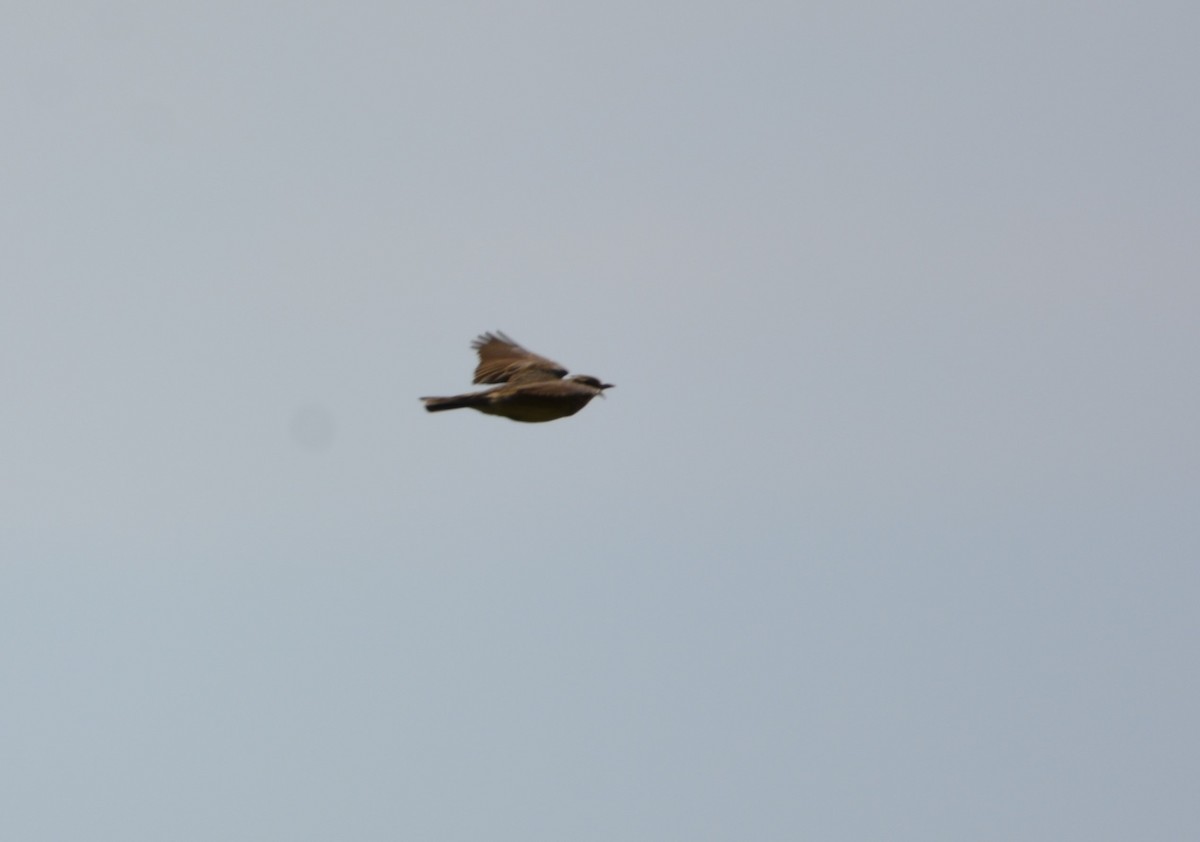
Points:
x=888 y=531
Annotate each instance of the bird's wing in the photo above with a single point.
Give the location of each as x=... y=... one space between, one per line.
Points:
x=502 y=360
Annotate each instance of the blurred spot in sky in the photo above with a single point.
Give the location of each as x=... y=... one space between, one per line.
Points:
x=313 y=427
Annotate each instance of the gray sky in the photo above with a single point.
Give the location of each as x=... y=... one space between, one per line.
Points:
x=888 y=531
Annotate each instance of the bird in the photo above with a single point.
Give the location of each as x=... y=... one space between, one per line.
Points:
x=534 y=389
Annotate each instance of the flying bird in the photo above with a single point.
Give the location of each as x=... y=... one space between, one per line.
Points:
x=534 y=388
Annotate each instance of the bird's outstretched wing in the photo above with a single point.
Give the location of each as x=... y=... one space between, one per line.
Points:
x=502 y=360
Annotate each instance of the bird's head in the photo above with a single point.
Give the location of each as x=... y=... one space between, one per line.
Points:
x=588 y=380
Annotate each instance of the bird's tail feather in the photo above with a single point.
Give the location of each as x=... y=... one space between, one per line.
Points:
x=456 y=402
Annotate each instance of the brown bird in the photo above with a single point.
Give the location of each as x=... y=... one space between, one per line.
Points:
x=534 y=389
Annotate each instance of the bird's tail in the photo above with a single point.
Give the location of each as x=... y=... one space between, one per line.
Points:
x=456 y=402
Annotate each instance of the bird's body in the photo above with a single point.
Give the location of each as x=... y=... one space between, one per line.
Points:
x=533 y=390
